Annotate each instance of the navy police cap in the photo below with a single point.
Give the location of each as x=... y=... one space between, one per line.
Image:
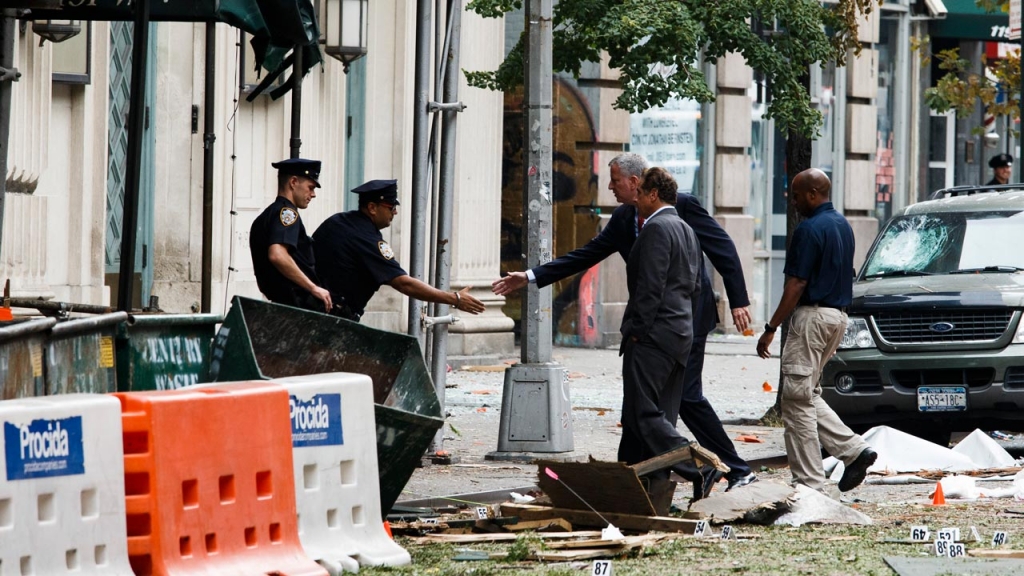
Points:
x=378 y=191
x=300 y=167
x=1001 y=161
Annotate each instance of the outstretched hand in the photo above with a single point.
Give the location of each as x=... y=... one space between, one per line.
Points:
x=741 y=318
x=468 y=303
x=763 y=343
x=509 y=284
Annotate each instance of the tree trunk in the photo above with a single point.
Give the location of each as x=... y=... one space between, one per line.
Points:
x=798 y=159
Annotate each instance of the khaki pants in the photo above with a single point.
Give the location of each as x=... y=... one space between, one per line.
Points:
x=814 y=334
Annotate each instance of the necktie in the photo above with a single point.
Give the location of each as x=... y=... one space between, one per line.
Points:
x=639 y=224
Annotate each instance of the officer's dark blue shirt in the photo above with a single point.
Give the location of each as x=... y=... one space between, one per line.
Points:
x=280 y=224
x=821 y=252
x=354 y=260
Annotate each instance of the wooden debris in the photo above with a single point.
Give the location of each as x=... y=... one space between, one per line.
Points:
x=691 y=452
x=636 y=522
x=552 y=525
x=981 y=473
x=506 y=537
x=613 y=549
x=995 y=553
x=607 y=486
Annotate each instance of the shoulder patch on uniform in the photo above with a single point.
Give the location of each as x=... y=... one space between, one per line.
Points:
x=288 y=216
x=385 y=250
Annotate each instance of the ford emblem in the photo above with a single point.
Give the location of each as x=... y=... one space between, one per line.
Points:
x=941 y=327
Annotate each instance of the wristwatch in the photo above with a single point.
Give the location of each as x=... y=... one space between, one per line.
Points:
x=769 y=329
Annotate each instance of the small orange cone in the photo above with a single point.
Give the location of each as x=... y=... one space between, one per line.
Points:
x=938 y=499
x=387 y=528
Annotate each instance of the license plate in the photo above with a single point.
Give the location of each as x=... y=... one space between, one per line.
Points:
x=941 y=399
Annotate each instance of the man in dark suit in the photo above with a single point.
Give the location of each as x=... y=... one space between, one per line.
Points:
x=618 y=236
x=663 y=277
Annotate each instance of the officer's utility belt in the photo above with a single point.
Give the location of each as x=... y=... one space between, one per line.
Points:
x=343 y=310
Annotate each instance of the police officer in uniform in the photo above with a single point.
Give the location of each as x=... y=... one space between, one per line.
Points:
x=354 y=259
x=1002 y=167
x=282 y=252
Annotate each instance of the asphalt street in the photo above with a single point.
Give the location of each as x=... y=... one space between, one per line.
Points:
x=734 y=379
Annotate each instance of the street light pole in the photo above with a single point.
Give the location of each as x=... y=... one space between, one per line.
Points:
x=536 y=414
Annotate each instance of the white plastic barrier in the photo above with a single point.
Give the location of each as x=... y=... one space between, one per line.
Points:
x=334 y=447
x=62 y=496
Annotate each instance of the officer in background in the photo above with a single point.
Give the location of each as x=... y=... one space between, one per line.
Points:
x=282 y=252
x=354 y=259
x=1002 y=167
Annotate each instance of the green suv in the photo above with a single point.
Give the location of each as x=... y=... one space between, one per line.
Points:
x=934 y=342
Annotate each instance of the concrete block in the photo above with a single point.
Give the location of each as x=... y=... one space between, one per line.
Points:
x=861 y=128
x=865 y=228
x=501 y=344
x=859 y=185
x=732 y=180
x=604 y=195
x=732 y=72
x=740 y=228
x=862 y=74
x=867 y=30
x=613 y=124
x=607 y=72
x=732 y=121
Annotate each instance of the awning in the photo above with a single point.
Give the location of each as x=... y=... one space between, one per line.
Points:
x=276 y=26
x=966 y=21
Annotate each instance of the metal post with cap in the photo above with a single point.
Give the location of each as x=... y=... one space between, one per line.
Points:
x=536 y=412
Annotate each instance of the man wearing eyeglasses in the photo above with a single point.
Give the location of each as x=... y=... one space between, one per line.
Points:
x=354 y=260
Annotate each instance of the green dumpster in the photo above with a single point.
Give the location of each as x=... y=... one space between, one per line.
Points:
x=80 y=355
x=164 y=351
x=261 y=340
x=21 y=358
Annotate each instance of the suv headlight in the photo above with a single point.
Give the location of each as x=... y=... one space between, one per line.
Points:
x=1018 y=337
x=857 y=335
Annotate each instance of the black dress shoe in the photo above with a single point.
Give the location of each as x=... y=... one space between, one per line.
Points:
x=857 y=470
x=741 y=481
x=703 y=487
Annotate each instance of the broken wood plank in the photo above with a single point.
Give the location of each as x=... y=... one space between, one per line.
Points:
x=504 y=537
x=628 y=540
x=588 y=518
x=607 y=486
x=693 y=451
x=552 y=525
x=995 y=553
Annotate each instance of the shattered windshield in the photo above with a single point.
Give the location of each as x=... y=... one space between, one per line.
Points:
x=943 y=243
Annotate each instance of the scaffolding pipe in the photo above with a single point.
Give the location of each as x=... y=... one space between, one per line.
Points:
x=446 y=202
x=420 y=160
x=296 y=140
x=8 y=75
x=208 y=139
x=133 y=168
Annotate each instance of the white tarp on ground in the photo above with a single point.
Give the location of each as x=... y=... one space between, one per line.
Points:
x=812 y=507
x=900 y=452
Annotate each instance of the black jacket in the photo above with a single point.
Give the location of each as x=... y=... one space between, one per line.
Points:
x=619 y=236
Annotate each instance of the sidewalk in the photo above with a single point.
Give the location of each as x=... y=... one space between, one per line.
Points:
x=733 y=380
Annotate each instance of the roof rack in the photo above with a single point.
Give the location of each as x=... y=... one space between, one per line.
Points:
x=971 y=190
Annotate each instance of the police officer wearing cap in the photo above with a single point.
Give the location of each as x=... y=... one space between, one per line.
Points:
x=282 y=252
x=1002 y=167
x=354 y=259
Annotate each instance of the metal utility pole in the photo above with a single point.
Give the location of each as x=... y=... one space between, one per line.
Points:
x=133 y=168
x=296 y=140
x=450 y=109
x=8 y=75
x=420 y=160
x=208 y=139
x=536 y=413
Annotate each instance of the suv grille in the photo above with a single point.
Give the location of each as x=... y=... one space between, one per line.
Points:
x=970 y=377
x=917 y=327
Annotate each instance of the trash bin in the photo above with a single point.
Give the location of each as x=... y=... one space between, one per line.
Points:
x=80 y=355
x=261 y=340
x=21 y=358
x=164 y=351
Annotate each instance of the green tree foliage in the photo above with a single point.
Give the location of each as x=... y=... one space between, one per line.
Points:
x=656 y=46
x=962 y=90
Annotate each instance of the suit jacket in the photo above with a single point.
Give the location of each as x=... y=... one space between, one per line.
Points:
x=620 y=233
x=663 y=277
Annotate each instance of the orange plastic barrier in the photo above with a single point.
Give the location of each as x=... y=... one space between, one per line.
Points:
x=209 y=483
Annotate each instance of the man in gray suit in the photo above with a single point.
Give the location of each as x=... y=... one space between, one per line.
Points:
x=663 y=274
